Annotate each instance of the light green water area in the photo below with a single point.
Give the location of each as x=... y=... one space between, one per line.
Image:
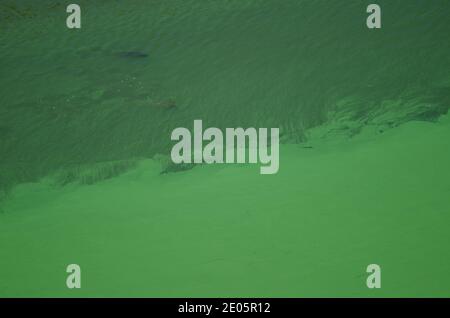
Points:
x=85 y=123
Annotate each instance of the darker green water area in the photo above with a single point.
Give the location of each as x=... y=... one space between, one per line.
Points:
x=85 y=123
x=115 y=89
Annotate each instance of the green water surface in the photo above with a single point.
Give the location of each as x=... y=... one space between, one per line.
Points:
x=85 y=135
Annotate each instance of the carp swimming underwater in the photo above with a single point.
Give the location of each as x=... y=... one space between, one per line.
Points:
x=132 y=54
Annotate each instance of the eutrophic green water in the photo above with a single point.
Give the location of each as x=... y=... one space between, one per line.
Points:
x=364 y=163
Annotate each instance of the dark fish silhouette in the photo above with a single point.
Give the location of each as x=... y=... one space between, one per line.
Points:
x=132 y=54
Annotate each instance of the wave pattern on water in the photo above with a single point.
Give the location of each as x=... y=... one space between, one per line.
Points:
x=69 y=97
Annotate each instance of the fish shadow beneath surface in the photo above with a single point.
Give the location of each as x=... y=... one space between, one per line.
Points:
x=132 y=55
